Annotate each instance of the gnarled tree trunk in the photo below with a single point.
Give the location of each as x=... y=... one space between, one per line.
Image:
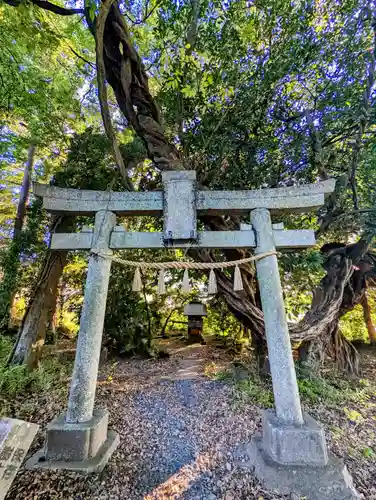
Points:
x=340 y=291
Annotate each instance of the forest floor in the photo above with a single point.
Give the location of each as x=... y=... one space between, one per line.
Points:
x=181 y=420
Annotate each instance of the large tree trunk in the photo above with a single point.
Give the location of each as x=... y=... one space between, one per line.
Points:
x=126 y=74
x=12 y=261
x=24 y=193
x=317 y=335
x=42 y=305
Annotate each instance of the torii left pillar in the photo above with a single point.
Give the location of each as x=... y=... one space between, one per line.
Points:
x=79 y=440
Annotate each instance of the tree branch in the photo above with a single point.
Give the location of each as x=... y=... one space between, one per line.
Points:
x=316 y=145
x=82 y=58
x=102 y=90
x=43 y=4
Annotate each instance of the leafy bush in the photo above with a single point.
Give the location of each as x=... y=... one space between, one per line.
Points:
x=68 y=323
x=352 y=325
x=220 y=321
x=16 y=380
x=130 y=322
x=318 y=389
x=5 y=348
x=19 y=309
x=332 y=391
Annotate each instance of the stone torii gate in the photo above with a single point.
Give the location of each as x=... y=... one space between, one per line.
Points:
x=292 y=454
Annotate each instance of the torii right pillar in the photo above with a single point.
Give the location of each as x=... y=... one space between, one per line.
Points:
x=291 y=455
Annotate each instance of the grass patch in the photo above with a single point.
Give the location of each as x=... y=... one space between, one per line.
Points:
x=248 y=390
x=313 y=390
x=254 y=390
x=19 y=381
x=331 y=391
x=317 y=389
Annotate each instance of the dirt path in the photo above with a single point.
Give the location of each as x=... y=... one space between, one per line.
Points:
x=192 y=360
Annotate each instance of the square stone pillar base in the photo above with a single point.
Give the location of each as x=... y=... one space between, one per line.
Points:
x=83 y=447
x=311 y=473
x=294 y=445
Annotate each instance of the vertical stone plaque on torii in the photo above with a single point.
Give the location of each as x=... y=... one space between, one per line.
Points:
x=179 y=209
x=292 y=454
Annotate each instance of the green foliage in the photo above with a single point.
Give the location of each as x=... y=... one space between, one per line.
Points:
x=10 y=263
x=352 y=325
x=316 y=389
x=354 y=416
x=130 y=321
x=17 y=275
x=89 y=164
x=254 y=390
x=313 y=388
x=301 y=273
x=40 y=74
x=330 y=391
x=219 y=321
x=368 y=452
x=211 y=371
x=68 y=323
x=18 y=380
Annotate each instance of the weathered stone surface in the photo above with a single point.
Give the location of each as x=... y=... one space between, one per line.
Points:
x=294 y=445
x=289 y=199
x=76 y=442
x=288 y=239
x=16 y=437
x=329 y=482
x=85 y=202
x=179 y=207
x=89 y=466
x=84 y=380
x=282 y=368
x=193 y=309
x=275 y=225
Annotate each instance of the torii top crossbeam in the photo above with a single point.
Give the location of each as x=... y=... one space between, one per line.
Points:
x=180 y=202
x=286 y=199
